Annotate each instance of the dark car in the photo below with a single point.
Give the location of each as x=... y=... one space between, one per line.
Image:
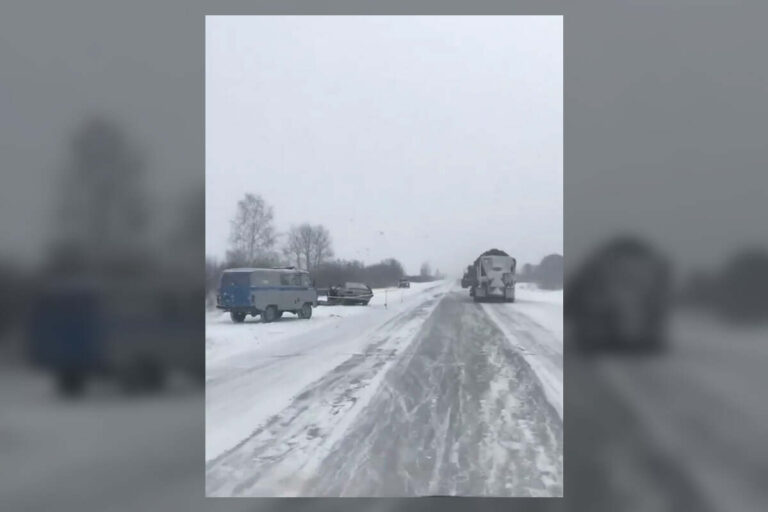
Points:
x=404 y=283
x=349 y=294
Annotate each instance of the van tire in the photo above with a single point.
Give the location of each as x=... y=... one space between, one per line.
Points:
x=143 y=374
x=237 y=316
x=70 y=383
x=269 y=314
x=306 y=311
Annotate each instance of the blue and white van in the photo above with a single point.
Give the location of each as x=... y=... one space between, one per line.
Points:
x=268 y=292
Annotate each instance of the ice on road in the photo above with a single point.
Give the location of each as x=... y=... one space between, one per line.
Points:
x=433 y=395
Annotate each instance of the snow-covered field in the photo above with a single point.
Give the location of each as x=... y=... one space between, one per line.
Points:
x=448 y=388
x=534 y=325
x=223 y=338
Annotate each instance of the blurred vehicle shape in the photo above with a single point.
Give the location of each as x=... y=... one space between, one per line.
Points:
x=349 y=294
x=134 y=330
x=491 y=277
x=404 y=283
x=619 y=298
x=268 y=292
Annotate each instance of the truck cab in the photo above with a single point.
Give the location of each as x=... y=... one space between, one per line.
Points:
x=491 y=277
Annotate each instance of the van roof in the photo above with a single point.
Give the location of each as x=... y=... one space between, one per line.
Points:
x=253 y=269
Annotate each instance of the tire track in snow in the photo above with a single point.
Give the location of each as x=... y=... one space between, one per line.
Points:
x=539 y=347
x=281 y=454
x=461 y=413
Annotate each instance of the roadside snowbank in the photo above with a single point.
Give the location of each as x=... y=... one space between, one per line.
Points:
x=534 y=326
x=545 y=307
x=254 y=370
x=224 y=338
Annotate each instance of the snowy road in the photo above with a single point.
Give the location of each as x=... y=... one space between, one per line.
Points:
x=433 y=394
x=685 y=431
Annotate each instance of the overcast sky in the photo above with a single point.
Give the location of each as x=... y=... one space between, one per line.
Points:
x=420 y=138
x=666 y=133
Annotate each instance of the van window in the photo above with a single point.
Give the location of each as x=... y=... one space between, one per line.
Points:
x=288 y=279
x=262 y=278
x=235 y=278
x=305 y=280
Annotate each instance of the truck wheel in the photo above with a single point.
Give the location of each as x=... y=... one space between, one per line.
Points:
x=237 y=316
x=70 y=383
x=306 y=311
x=269 y=314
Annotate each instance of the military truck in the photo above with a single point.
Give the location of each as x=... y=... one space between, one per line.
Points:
x=491 y=277
x=618 y=299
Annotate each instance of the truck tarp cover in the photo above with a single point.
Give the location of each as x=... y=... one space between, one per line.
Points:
x=494 y=252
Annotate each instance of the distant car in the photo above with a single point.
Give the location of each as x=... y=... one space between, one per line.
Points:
x=349 y=294
x=404 y=283
x=268 y=292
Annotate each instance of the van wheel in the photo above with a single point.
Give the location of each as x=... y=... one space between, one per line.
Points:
x=237 y=316
x=143 y=374
x=70 y=383
x=269 y=314
x=306 y=311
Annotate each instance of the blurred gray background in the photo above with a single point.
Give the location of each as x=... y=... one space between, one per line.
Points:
x=101 y=130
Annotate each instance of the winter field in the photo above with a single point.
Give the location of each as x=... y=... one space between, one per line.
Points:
x=430 y=394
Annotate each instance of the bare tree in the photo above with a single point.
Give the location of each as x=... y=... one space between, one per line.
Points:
x=426 y=270
x=299 y=245
x=321 y=241
x=309 y=245
x=101 y=217
x=252 y=234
